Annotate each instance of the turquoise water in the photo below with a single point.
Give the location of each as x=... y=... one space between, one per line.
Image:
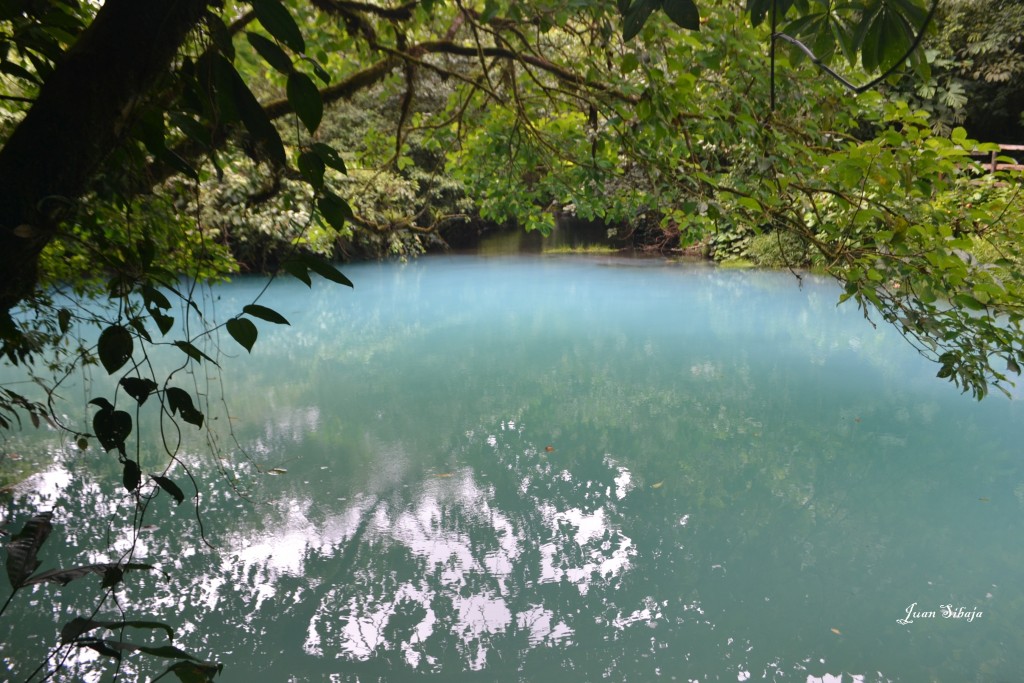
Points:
x=564 y=469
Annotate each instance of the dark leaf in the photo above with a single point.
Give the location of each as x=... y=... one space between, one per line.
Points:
x=335 y=210
x=163 y=322
x=132 y=475
x=170 y=487
x=271 y=53
x=264 y=313
x=758 y=10
x=64 y=320
x=242 y=331
x=312 y=168
x=193 y=672
x=79 y=626
x=636 y=16
x=298 y=270
x=181 y=402
x=66 y=576
x=112 y=427
x=305 y=98
x=23 y=547
x=193 y=352
x=112 y=576
x=115 y=348
x=249 y=110
x=138 y=388
x=154 y=298
x=119 y=646
x=683 y=12
x=330 y=156
x=324 y=269
x=279 y=23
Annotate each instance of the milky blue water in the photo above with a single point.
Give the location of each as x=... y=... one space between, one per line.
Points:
x=563 y=469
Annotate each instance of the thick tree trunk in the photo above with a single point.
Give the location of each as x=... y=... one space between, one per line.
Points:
x=79 y=116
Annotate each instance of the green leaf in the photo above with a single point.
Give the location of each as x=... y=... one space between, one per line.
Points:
x=636 y=16
x=683 y=12
x=115 y=348
x=335 y=210
x=138 y=388
x=758 y=10
x=242 y=331
x=305 y=98
x=264 y=313
x=279 y=23
x=270 y=52
x=194 y=672
x=180 y=402
x=170 y=487
x=312 y=168
x=132 y=476
x=321 y=267
x=23 y=547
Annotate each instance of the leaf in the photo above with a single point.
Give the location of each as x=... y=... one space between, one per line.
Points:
x=138 y=388
x=64 y=320
x=23 y=547
x=115 y=348
x=330 y=156
x=66 y=576
x=270 y=52
x=279 y=23
x=243 y=331
x=636 y=16
x=193 y=672
x=335 y=210
x=264 y=313
x=193 y=352
x=170 y=487
x=119 y=646
x=252 y=115
x=181 y=402
x=312 y=168
x=112 y=427
x=683 y=12
x=304 y=96
x=321 y=267
x=298 y=270
x=80 y=626
x=132 y=475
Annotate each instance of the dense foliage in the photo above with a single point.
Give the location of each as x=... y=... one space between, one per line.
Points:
x=141 y=158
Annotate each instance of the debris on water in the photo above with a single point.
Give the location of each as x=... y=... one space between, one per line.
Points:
x=277 y=470
x=658 y=485
x=836 y=631
x=443 y=475
x=984 y=499
x=549 y=448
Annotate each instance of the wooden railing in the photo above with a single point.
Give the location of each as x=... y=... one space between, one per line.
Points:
x=994 y=165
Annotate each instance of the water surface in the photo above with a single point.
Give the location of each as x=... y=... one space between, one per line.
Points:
x=563 y=469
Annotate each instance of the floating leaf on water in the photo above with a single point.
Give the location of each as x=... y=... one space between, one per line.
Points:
x=836 y=631
x=443 y=475
x=548 y=449
x=983 y=499
x=658 y=485
x=277 y=470
x=857 y=420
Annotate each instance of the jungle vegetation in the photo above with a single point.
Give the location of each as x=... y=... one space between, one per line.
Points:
x=148 y=147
